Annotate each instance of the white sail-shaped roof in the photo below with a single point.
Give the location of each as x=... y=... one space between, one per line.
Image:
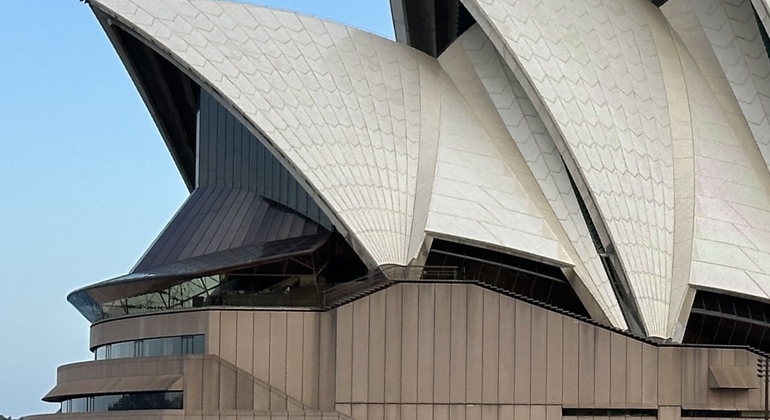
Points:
x=596 y=68
x=365 y=122
x=482 y=73
x=340 y=106
x=662 y=114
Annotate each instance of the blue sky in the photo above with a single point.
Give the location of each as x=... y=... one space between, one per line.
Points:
x=87 y=183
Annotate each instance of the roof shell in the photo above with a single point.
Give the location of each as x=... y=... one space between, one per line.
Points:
x=371 y=127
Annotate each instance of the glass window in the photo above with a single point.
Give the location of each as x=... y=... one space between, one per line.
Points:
x=121 y=350
x=173 y=400
x=199 y=344
x=102 y=353
x=107 y=402
x=79 y=405
x=163 y=346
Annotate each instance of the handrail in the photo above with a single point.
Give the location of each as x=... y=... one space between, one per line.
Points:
x=383 y=277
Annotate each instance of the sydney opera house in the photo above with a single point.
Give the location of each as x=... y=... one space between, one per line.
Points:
x=519 y=209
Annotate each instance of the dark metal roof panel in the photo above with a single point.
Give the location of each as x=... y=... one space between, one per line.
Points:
x=160 y=278
x=215 y=220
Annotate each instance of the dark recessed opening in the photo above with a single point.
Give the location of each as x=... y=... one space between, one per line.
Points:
x=717 y=318
x=533 y=279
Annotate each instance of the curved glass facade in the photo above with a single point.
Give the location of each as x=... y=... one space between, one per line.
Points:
x=296 y=281
x=188 y=294
x=173 y=400
x=151 y=347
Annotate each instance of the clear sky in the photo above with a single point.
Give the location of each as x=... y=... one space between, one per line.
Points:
x=86 y=182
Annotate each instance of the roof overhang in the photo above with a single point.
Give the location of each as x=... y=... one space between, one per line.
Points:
x=117 y=385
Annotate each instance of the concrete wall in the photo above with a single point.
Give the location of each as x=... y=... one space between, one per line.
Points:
x=453 y=347
x=438 y=351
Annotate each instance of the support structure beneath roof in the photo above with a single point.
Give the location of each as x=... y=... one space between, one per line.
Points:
x=429 y=25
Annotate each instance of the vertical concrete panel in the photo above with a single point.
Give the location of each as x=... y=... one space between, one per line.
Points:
x=489 y=412
x=278 y=322
x=442 y=348
x=688 y=377
x=361 y=350
x=359 y=411
x=409 y=344
x=553 y=412
x=425 y=342
x=393 y=308
x=244 y=392
x=507 y=348
x=459 y=342
x=473 y=412
x=669 y=381
x=392 y=411
x=409 y=411
x=705 y=397
x=602 y=363
x=376 y=411
x=618 y=367
x=227 y=393
x=244 y=350
x=377 y=348
x=728 y=357
x=669 y=413
x=261 y=346
x=424 y=412
x=522 y=359
x=344 y=362
x=473 y=373
x=311 y=363
x=210 y=386
x=457 y=412
x=261 y=398
x=742 y=398
x=228 y=335
x=537 y=412
x=213 y=333
x=554 y=352
x=441 y=412
x=193 y=384
x=586 y=364
x=539 y=353
x=570 y=362
x=732 y=397
x=755 y=396
x=490 y=348
x=294 y=349
x=521 y=412
x=327 y=371
x=507 y=412
x=649 y=376
x=633 y=373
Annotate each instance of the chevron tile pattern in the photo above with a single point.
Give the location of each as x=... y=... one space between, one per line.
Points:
x=537 y=152
x=341 y=106
x=478 y=194
x=730 y=27
x=728 y=176
x=595 y=67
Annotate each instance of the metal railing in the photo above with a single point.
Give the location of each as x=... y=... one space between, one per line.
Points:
x=385 y=277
